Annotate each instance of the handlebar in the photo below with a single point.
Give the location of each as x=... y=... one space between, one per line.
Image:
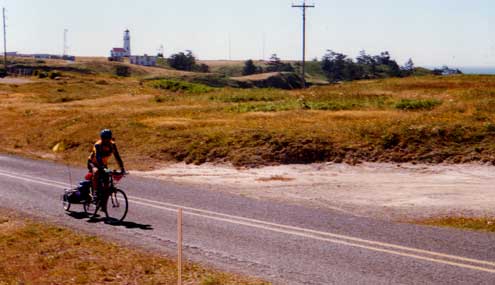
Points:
x=115 y=172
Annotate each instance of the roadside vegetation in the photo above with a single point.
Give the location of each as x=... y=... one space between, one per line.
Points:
x=474 y=224
x=36 y=253
x=158 y=118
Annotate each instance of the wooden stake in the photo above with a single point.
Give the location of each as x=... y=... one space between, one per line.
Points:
x=179 y=247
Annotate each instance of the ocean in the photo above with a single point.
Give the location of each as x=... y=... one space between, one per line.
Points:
x=478 y=70
x=469 y=69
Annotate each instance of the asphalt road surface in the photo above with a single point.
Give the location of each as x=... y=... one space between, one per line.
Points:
x=286 y=244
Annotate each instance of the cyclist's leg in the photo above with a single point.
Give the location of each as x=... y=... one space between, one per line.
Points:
x=94 y=179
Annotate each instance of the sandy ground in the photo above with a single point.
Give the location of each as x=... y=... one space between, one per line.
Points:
x=15 y=80
x=387 y=191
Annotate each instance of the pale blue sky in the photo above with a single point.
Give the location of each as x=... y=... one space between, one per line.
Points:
x=432 y=32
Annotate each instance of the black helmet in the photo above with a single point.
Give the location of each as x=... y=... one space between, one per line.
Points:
x=106 y=134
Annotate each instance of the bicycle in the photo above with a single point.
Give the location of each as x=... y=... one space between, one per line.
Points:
x=109 y=199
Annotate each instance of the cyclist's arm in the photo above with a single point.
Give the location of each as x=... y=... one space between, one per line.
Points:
x=117 y=157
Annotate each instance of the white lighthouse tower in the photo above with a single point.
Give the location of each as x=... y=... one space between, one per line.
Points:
x=127 y=42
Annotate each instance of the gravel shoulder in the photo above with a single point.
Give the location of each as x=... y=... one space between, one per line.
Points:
x=388 y=191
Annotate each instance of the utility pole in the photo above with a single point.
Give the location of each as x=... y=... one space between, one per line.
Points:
x=66 y=47
x=230 y=47
x=303 y=7
x=4 y=41
x=264 y=47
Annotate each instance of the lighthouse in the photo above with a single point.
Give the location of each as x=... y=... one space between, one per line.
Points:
x=127 y=42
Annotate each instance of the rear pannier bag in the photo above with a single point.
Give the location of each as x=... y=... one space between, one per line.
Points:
x=78 y=194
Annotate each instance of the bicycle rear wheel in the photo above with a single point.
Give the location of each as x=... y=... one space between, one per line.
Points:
x=65 y=203
x=117 y=206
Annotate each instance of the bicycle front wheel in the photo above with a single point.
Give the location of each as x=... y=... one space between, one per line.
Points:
x=117 y=206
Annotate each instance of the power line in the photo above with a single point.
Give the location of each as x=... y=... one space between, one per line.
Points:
x=303 y=7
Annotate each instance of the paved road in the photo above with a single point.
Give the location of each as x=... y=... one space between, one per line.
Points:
x=287 y=244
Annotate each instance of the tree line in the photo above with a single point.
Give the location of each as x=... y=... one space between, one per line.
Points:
x=339 y=67
x=335 y=66
x=186 y=61
x=274 y=64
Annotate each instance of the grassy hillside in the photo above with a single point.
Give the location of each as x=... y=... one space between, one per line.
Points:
x=419 y=119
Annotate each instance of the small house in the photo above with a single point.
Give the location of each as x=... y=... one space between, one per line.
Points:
x=145 y=60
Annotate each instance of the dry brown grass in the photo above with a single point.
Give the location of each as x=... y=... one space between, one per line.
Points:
x=35 y=253
x=465 y=223
x=349 y=122
x=278 y=178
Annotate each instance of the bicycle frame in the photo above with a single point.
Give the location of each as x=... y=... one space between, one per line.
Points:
x=108 y=180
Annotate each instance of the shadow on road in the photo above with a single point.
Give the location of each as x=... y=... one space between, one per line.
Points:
x=111 y=222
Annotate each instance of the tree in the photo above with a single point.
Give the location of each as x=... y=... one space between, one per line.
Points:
x=365 y=59
x=337 y=66
x=249 y=68
x=202 y=68
x=183 y=61
x=367 y=65
x=409 y=65
x=276 y=65
x=408 y=68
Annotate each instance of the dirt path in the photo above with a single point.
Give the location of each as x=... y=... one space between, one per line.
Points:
x=381 y=190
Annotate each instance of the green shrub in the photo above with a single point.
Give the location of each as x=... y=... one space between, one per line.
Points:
x=123 y=71
x=164 y=98
x=390 y=140
x=211 y=280
x=238 y=98
x=269 y=107
x=54 y=74
x=180 y=86
x=414 y=105
x=42 y=74
x=330 y=106
x=490 y=127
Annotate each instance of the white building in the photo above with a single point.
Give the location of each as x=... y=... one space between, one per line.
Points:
x=118 y=52
x=42 y=56
x=127 y=42
x=145 y=60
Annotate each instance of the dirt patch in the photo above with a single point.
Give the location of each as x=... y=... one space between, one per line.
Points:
x=15 y=80
x=388 y=191
x=275 y=178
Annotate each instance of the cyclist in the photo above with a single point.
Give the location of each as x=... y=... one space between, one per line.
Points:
x=102 y=151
